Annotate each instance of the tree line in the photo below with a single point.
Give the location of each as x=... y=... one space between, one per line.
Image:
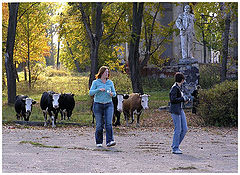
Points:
x=94 y=33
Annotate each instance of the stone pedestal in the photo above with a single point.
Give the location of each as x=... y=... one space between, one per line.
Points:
x=190 y=69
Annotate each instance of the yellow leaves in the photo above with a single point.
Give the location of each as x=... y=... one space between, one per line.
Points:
x=115 y=65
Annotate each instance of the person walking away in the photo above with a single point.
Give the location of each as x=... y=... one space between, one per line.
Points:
x=103 y=90
x=176 y=109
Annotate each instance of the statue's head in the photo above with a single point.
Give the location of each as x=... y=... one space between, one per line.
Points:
x=187 y=8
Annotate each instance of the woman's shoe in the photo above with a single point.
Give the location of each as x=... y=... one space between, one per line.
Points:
x=177 y=152
x=112 y=143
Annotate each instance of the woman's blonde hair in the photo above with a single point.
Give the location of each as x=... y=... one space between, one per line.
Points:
x=101 y=71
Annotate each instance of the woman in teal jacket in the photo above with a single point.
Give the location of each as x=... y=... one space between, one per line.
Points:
x=103 y=90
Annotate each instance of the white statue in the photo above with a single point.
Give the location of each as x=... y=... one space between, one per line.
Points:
x=185 y=22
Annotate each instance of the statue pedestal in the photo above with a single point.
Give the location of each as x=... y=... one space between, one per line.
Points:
x=190 y=69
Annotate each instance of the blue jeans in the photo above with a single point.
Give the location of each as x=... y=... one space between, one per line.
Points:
x=103 y=114
x=180 y=129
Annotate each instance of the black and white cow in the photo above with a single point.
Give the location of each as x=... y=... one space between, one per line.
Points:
x=23 y=107
x=66 y=105
x=117 y=103
x=50 y=106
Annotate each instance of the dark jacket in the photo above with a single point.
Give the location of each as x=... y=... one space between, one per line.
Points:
x=176 y=99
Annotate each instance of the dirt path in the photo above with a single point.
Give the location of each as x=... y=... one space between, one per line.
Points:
x=138 y=150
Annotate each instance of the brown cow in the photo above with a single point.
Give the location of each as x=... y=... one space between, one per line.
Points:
x=134 y=105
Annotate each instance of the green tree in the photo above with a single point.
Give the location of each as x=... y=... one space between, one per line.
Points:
x=31 y=40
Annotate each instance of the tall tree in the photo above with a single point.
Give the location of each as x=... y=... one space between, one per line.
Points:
x=31 y=40
x=10 y=69
x=94 y=33
x=225 y=40
x=134 y=47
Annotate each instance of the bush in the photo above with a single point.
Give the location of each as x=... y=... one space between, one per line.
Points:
x=122 y=82
x=209 y=75
x=151 y=84
x=51 y=72
x=218 y=105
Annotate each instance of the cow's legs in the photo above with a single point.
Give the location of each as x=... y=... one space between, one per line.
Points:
x=61 y=112
x=45 y=117
x=126 y=115
x=118 y=114
x=53 y=121
x=18 y=116
x=132 y=116
x=138 y=117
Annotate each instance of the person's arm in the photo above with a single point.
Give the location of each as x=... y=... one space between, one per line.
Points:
x=113 y=90
x=173 y=96
x=93 y=90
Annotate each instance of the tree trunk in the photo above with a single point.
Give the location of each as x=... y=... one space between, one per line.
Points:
x=225 y=47
x=95 y=35
x=133 y=58
x=28 y=58
x=11 y=78
x=58 y=63
x=25 y=71
x=75 y=61
x=204 y=48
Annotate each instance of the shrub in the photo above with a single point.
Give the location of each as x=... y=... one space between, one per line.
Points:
x=209 y=75
x=151 y=84
x=51 y=72
x=218 y=105
x=122 y=82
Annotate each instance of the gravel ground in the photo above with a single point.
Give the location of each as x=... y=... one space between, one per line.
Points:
x=138 y=150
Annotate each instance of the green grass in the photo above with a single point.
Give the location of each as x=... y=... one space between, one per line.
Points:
x=39 y=144
x=64 y=82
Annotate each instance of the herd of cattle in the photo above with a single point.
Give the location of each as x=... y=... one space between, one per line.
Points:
x=52 y=103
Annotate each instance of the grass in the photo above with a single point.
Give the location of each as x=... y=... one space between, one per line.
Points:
x=63 y=82
x=39 y=144
x=185 y=168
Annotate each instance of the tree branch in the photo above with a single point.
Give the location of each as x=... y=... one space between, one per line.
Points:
x=84 y=19
x=26 y=11
x=114 y=29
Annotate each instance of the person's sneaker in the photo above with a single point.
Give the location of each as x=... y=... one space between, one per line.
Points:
x=99 y=145
x=112 y=143
x=177 y=152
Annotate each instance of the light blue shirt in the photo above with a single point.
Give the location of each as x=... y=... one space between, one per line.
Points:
x=99 y=96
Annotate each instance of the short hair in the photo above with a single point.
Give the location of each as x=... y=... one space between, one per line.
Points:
x=179 y=77
x=101 y=71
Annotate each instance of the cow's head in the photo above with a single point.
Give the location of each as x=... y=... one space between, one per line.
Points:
x=55 y=102
x=120 y=102
x=120 y=98
x=144 y=101
x=28 y=104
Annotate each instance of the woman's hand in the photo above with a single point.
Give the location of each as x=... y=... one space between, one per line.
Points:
x=102 y=89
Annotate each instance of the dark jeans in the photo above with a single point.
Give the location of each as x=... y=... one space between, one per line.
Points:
x=103 y=114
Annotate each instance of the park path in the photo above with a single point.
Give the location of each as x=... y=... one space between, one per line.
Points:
x=138 y=150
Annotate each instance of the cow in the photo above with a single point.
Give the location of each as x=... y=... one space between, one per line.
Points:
x=66 y=105
x=134 y=105
x=23 y=107
x=117 y=103
x=50 y=106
